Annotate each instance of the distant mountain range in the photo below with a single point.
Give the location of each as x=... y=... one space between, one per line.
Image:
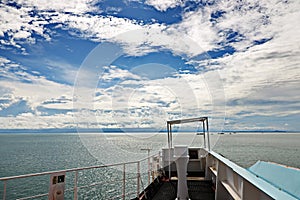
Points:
x=74 y=130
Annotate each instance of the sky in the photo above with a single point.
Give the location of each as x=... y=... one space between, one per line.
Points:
x=137 y=63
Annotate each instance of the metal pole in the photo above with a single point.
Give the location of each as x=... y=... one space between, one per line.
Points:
x=171 y=136
x=75 y=186
x=148 y=166
x=138 y=179
x=168 y=135
x=159 y=159
x=124 y=181
x=151 y=171
x=207 y=134
x=203 y=126
x=170 y=146
x=4 y=190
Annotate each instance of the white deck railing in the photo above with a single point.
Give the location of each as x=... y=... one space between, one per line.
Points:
x=152 y=166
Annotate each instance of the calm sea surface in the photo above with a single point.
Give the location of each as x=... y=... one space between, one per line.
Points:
x=31 y=153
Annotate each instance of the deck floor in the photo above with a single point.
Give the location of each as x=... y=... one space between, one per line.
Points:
x=198 y=190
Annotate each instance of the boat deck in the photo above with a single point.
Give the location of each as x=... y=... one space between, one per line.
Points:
x=198 y=190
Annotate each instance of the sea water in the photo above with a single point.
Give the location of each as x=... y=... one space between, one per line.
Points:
x=33 y=153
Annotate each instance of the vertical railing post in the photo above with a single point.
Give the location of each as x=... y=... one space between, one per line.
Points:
x=152 y=168
x=170 y=146
x=148 y=169
x=159 y=160
x=138 y=179
x=4 y=190
x=207 y=134
x=203 y=126
x=75 y=185
x=124 y=181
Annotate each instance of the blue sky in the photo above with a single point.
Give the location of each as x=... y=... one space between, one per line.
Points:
x=137 y=63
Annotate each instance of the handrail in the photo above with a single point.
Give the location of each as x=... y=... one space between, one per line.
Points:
x=74 y=169
x=122 y=179
x=66 y=170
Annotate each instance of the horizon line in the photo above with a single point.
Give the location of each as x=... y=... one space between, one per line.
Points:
x=122 y=130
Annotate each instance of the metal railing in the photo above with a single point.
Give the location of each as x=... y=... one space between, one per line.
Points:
x=153 y=166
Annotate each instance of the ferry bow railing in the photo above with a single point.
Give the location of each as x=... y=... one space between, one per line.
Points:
x=153 y=165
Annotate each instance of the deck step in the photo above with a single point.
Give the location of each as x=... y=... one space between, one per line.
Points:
x=190 y=178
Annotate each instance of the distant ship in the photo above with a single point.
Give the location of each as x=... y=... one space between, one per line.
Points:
x=182 y=173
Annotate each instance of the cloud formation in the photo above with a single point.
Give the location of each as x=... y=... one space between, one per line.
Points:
x=250 y=47
x=23 y=94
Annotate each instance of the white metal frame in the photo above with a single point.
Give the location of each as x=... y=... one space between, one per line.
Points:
x=204 y=121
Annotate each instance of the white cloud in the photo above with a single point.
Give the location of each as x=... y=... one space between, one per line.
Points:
x=113 y=72
x=76 y=7
x=133 y=102
x=163 y=5
x=35 y=90
x=29 y=120
x=256 y=20
x=22 y=24
x=266 y=72
x=16 y=24
x=96 y=28
x=21 y=34
x=63 y=71
x=197 y=26
x=252 y=19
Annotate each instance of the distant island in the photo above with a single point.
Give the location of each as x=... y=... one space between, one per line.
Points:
x=80 y=130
